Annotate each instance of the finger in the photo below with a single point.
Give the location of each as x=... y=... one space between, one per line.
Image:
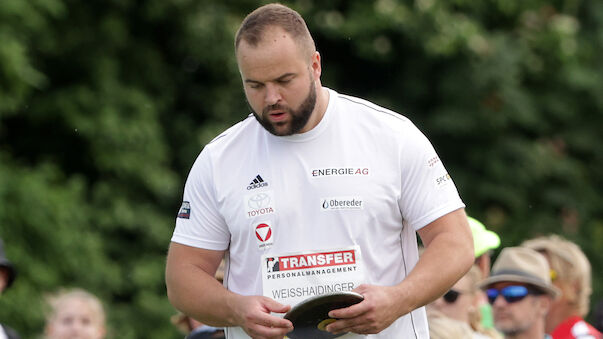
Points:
x=358 y=329
x=261 y=331
x=271 y=321
x=276 y=307
x=349 y=312
x=343 y=326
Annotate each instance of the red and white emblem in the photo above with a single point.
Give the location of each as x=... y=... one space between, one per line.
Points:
x=263 y=232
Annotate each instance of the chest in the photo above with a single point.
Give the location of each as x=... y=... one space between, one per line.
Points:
x=312 y=191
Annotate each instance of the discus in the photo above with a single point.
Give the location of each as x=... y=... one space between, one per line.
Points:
x=311 y=316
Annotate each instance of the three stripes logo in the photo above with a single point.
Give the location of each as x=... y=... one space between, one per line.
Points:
x=257 y=182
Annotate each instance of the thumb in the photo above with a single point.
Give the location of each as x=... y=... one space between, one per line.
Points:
x=275 y=306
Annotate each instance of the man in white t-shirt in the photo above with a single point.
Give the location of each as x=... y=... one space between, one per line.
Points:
x=315 y=192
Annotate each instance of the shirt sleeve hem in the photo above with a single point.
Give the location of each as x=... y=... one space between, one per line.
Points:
x=200 y=243
x=432 y=216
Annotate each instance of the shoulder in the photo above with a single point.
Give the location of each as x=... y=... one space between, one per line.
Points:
x=369 y=110
x=235 y=133
x=367 y=118
x=233 y=142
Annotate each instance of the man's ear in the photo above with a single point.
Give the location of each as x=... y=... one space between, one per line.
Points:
x=315 y=65
x=545 y=304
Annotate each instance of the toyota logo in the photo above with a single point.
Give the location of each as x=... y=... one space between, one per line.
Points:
x=259 y=200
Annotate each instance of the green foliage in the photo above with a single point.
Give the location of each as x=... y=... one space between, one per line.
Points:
x=104 y=106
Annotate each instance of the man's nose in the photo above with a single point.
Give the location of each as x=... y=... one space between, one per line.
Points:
x=273 y=94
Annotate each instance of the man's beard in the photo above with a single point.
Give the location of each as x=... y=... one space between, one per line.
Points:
x=299 y=117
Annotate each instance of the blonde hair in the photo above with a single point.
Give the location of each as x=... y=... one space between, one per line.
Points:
x=442 y=327
x=56 y=301
x=475 y=316
x=570 y=267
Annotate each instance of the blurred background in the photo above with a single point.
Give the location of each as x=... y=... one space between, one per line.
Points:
x=104 y=106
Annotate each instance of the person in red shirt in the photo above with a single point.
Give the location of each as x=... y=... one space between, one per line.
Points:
x=571 y=273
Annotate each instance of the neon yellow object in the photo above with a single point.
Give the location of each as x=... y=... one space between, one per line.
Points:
x=483 y=239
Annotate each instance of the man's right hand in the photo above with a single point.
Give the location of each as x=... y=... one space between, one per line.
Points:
x=253 y=315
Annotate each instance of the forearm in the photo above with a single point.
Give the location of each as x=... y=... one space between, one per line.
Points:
x=447 y=257
x=196 y=293
x=192 y=288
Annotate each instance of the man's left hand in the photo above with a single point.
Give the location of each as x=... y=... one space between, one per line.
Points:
x=375 y=313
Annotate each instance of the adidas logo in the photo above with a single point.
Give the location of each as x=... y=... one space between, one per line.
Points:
x=257 y=182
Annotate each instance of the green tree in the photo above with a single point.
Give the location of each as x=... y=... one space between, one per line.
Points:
x=104 y=106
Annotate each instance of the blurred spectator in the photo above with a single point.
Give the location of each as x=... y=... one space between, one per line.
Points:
x=7 y=270
x=571 y=273
x=599 y=316
x=7 y=277
x=75 y=314
x=461 y=303
x=484 y=243
x=521 y=292
x=443 y=327
x=195 y=329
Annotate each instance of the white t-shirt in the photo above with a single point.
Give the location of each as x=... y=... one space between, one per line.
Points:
x=364 y=177
x=3 y=334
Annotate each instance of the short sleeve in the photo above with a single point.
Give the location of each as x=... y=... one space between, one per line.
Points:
x=428 y=191
x=199 y=222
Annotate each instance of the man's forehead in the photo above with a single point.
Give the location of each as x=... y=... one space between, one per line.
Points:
x=270 y=63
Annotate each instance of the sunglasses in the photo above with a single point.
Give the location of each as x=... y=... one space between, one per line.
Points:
x=451 y=296
x=511 y=294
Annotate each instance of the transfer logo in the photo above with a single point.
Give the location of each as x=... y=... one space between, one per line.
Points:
x=311 y=260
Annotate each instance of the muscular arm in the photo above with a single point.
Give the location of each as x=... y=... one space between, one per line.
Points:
x=190 y=284
x=192 y=288
x=447 y=257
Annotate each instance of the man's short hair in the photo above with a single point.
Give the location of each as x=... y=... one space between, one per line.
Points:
x=274 y=15
x=569 y=266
